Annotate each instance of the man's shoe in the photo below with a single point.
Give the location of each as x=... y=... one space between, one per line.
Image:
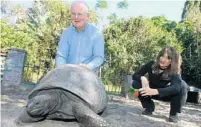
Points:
x=146 y=112
x=173 y=118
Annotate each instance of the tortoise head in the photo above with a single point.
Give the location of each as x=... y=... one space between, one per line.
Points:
x=41 y=105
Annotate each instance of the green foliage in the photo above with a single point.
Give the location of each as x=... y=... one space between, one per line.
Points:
x=38 y=33
x=112 y=17
x=192 y=11
x=132 y=90
x=129 y=43
x=132 y=43
x=122 y=4
x=191 y=68
x=50 y=26
x=3 y=6
x=101 y=4
x=192 y=71
x=188 y=33
x=11 y=37
x=192 y=14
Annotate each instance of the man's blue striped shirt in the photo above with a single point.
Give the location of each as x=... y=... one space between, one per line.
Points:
x=86 y=47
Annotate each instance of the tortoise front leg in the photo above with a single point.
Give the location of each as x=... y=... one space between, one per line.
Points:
x=87 y=117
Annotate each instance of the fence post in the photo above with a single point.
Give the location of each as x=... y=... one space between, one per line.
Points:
x=127 y=83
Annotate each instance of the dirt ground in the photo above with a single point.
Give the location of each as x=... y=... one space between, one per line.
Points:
x=120 y=112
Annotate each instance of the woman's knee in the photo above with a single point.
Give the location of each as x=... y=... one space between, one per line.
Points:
x=136 y=84
x=184 y=87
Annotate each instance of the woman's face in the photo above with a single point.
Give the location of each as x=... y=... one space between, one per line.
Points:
x=164 y=61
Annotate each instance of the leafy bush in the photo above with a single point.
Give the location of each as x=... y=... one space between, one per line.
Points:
x=132 y=43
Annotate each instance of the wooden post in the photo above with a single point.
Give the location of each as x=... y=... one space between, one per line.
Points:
x=14 y=67
x=127 y=83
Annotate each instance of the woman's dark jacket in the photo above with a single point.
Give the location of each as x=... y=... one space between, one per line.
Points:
x=166 y=86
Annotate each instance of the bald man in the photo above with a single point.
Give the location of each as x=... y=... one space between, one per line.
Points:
x=82 y=43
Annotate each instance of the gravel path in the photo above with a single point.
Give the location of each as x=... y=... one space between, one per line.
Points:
x=120 y=112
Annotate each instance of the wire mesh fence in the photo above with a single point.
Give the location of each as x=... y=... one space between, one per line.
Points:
x=33 y=72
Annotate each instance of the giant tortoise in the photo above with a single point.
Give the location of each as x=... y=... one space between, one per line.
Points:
x=67 y=92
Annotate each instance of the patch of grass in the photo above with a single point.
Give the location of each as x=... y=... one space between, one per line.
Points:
x=112 y=89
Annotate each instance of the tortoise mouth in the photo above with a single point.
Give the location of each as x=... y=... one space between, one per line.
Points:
x=35 y=108
x=36 y=111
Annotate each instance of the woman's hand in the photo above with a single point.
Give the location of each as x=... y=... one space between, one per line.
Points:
x=144 y=81
x=148 y=91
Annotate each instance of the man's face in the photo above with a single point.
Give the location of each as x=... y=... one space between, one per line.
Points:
x=79 y=16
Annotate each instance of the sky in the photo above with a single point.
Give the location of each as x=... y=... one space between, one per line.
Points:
x=171 y=9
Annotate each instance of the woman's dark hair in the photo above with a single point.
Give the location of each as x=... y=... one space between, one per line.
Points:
x=175 y=65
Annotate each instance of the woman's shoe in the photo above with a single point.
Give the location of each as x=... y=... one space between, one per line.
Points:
x=146 y=112
x=174 y=118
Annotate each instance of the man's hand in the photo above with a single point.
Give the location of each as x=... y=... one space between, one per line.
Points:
x=148 y=91
x=84 y=65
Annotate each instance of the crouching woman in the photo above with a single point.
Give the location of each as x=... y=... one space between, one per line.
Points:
x=164 y=83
